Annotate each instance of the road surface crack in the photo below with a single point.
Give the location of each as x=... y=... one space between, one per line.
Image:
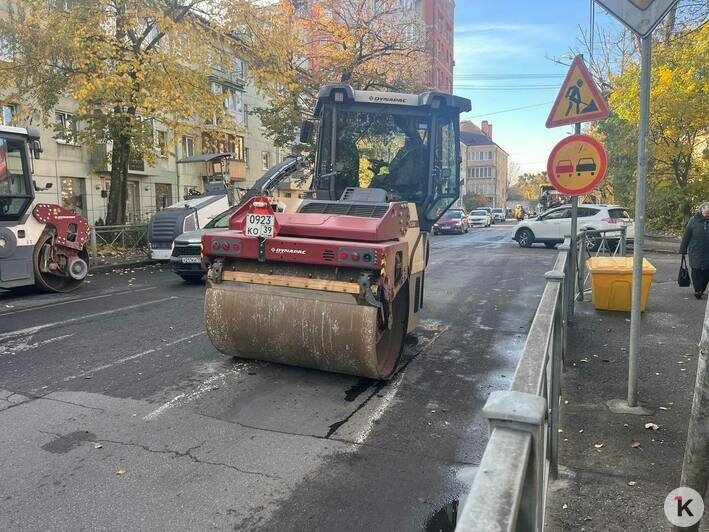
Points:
x=189 y=453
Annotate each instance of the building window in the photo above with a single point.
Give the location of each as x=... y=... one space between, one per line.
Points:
x=239 y=68
x=163 y=195
x=187 y=146
x=9 y=115
x=233 y=144
x=481 y=171
x=73 y=193
x=246 y=156
x=161 y=142
x=66 y=128
x=265 y=160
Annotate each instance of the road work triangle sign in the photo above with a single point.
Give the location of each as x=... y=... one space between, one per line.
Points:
x=579 y=100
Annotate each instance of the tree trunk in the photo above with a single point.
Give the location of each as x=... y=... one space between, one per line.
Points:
x=118 y=194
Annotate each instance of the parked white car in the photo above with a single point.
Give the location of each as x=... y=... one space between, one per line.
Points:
x=498 y=215
x=480 y=217
x=552 y=226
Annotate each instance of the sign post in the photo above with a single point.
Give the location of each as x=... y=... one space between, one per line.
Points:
x=579 y=100
x=642 y=17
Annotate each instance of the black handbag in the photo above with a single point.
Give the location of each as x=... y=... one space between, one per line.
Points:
x=683 y=275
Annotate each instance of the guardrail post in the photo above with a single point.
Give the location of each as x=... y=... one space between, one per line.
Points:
x=524 y=412
x=581 y=271
x=623 y=241
x=557 y=350
x=94 y=251
x=570 y=286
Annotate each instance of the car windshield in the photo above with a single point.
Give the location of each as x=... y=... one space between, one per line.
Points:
x=452 y=215
x=496 y=210
x=479 y=213
x=14 y=183
x=221 y=220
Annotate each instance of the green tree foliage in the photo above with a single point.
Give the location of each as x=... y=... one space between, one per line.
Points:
x=126 y=63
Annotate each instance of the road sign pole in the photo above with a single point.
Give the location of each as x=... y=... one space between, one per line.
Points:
x=640 y=191
x=573 y=259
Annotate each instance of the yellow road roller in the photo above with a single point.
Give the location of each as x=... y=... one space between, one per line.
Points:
x=337 y=283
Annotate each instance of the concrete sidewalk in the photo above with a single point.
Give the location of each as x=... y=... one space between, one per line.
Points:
x=615 y=473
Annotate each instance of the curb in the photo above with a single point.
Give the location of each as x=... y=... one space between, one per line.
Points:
x=101 y=268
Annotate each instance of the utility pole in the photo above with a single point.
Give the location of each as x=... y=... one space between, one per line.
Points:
x=640 y=192
x=695 y=469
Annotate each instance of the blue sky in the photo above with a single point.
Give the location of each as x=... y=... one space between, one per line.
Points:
x=507 y=43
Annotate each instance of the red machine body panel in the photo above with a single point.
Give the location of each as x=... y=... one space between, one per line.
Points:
x=72 y=230
x=391 y=226
x=233 y=244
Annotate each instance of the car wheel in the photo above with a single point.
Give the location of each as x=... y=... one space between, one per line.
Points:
x=550 y=245
x=192 y=279
x=525 y=238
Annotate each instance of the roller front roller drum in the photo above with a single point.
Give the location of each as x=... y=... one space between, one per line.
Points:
x=311 y=328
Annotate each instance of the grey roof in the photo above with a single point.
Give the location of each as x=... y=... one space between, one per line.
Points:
x=478 y=139
x=205 y=157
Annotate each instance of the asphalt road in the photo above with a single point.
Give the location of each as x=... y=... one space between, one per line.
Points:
x=118 y=414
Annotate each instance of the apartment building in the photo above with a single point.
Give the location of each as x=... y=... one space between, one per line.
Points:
x=484 y=163
x=80 y=176
x=437 y=16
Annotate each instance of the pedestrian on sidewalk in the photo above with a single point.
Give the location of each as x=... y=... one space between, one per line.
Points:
x=696 y=243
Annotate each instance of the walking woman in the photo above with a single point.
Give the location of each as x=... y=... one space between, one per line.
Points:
x=696 y=244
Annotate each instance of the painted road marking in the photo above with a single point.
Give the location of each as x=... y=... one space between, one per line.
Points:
x=132 y=357
x=76 y=300
x=37 y=328
x=20 y=345
x=182 y=399
x=379 y=411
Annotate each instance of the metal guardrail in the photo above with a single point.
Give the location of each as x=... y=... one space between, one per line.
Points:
x=118 y=243
x=593 y=243
x=509 y=490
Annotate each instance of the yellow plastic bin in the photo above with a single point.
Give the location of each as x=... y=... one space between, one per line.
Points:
x=612 y=282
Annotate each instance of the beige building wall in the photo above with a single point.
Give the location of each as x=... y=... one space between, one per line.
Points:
x=80 y=177
x=484 y=164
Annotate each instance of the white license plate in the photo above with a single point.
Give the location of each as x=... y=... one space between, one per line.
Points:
x=191 y=259
x=260 y=225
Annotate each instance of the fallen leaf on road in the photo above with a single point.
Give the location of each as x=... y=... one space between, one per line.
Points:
x=584 y=360
x=566 y=401
x=564 y=506
x=652 y=426
x=121 y=472
x=631 y=483
x=598 y=445
x=580 y=431
x=560 y=430
x=98 y=445
x=635 y=444
x=663 y=408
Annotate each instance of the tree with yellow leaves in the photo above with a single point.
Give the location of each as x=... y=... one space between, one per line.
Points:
x=678 y=130
x=297 y=47
x=126 y=63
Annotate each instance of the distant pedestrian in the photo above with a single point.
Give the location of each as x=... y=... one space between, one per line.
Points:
x=696 y=244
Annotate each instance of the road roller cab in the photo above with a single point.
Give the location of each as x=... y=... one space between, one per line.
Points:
x=337 y=284
x=40 y=243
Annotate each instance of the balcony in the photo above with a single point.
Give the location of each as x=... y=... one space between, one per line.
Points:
x=230 y=77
